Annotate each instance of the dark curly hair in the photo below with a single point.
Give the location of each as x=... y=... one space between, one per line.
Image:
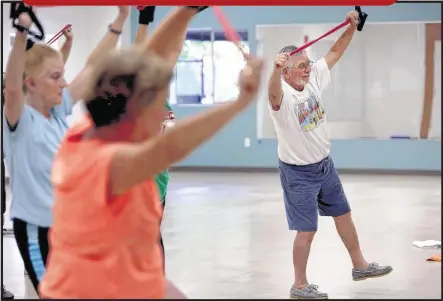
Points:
x=122 y=76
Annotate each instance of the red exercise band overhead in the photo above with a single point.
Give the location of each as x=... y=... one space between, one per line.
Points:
x=233 y=36
x=300 y=49
x=230 y=32
x=361 y=22
x=59 y=34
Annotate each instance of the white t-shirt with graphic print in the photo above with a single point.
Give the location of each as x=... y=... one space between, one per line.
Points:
x=300 y=124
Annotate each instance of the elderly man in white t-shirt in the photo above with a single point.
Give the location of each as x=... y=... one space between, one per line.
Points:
x=308 y=177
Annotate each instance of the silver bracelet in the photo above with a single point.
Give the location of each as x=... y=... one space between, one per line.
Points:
x=114 y=31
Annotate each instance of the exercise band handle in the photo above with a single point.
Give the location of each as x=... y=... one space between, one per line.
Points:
x=59 y=34
x=16 y=10
x=362 y=16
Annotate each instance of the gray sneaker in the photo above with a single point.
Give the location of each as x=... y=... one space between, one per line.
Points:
x=374 y=270
x=310 y=291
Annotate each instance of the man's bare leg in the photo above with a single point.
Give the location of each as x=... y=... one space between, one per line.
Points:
x=300 y=255
x=362 y=269
x=348 y=234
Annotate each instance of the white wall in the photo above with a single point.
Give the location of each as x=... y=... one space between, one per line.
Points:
x=377 y=87
x=89 y=24
x=394 y=79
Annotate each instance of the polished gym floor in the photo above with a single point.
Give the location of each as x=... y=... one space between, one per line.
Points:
x=226 y=237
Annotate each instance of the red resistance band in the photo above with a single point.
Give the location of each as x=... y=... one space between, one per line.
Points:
x=59 y=34
x=233 y=36
x=300 y=49
x=230 y=32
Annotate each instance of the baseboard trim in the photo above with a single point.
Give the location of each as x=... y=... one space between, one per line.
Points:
x=273 y=170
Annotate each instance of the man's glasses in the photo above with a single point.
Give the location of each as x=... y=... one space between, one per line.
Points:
x=303 y=66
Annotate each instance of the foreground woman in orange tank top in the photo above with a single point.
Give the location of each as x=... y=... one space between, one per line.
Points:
x=105 y=235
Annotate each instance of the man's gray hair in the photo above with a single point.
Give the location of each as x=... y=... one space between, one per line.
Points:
x=290 y=48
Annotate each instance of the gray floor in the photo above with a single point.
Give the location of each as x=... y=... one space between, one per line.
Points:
x=226 y=237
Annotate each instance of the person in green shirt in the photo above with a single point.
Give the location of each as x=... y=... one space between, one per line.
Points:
x=162 y=179
x=146 y=16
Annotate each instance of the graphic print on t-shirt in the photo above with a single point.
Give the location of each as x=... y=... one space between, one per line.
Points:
x=310 y=113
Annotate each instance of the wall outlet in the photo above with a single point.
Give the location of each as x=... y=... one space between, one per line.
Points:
x=247 y=142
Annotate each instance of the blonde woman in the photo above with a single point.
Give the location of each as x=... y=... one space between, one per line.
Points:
x=37 y=102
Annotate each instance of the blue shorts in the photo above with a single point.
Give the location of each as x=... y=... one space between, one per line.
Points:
x=310 y=189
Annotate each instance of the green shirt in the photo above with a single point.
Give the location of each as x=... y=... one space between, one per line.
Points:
x=167 y=106
x=162 y=179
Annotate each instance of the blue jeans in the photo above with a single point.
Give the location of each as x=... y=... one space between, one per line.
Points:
x=309 y=190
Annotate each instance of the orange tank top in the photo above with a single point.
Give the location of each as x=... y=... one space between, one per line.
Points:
x=100 y=247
